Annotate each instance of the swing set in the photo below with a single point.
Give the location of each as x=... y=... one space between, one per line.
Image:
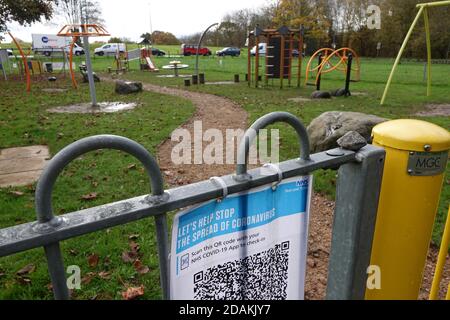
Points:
x=423 y=11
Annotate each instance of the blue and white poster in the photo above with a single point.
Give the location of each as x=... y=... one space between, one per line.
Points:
x=250 y=246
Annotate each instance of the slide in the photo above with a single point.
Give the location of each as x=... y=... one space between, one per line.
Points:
x=151 y=65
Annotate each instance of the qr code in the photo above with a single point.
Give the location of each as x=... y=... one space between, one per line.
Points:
x=262 y=276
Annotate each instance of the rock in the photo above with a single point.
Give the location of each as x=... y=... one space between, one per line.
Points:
x=328 y=128
x=339 y=93
x=321 y=95
x=86 y=79
x=311 y=263
x=123 y=87
x=352 y=141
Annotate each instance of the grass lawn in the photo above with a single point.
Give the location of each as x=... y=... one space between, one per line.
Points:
x=112 y=175
x=24 y=121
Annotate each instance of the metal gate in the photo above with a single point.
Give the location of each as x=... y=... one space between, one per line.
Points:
x=358 y=189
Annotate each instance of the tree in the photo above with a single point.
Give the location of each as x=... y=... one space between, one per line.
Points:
x=313 y=15
x=24 y=11
x=120 y=40
x=146 y=38
x=166 y=38
x=72 y=11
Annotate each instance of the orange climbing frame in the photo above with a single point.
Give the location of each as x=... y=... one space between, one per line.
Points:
x=326 y=52
x=24 y=60
x=72 y=72
x=328 y=65
x=342 y=55
x=76 y=31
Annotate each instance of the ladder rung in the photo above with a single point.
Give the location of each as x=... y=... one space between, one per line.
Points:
x=270 y=65
x=270 y=56
x=271 y=47
x=269 y=74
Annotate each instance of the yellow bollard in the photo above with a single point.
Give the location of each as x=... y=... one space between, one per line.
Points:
x=416 y=157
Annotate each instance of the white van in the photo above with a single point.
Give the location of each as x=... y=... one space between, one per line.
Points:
x=110 y=49
x=262 y=49
x=48 y=44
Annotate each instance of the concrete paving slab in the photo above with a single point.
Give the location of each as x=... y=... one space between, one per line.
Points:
x=22 y=166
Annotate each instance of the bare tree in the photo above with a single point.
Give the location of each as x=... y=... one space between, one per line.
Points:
x=73 y=10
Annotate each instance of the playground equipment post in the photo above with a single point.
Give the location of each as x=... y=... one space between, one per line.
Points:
x=88 y=61
x=199 y=45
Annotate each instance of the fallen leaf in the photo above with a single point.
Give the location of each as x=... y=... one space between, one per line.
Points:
x=93 y=260
x=128 y=256
x=88 y=278
x=26 y=270
x=140 y=268
x=134 y=247
x=17 y=193
x=90 y=196
x=24 y=280
x=105 y=275
x=133 y=293
x=73 y=252
x=132 y=166
x=134 y=236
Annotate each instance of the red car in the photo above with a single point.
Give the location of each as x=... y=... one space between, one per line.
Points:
x=191 y=50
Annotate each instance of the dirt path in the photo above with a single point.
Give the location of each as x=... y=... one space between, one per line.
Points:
x=220 y=113
x=214 y=112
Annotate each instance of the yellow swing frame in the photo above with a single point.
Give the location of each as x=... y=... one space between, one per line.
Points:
x=423 y=10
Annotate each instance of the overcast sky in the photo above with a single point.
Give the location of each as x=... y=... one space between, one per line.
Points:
x=130 y=18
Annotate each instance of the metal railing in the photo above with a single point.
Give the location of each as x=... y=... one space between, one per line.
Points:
x=358 y=188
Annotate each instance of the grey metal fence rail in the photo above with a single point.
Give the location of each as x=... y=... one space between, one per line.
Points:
x=358 y=188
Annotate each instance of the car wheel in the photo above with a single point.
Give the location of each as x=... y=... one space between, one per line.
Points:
x=101 y=53
x=47 y=54
x=78 y=53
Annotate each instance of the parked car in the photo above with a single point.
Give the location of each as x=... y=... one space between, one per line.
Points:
x=110 y=49
x=262 y=49
x=191 y=50
x=229 y=51
x=9 y=51
x=157 y=52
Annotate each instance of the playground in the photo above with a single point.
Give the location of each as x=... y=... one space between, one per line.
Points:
x=160 y=111
x=43 y=111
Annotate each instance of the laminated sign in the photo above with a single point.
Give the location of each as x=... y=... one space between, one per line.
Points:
x=249 y=246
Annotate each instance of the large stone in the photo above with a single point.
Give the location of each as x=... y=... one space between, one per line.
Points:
x=124 y=87
x=321 y=95
x=329 y=127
